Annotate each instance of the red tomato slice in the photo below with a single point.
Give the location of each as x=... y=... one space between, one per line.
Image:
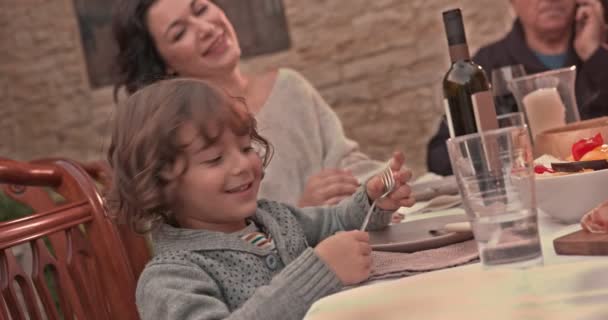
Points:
x=585 y=145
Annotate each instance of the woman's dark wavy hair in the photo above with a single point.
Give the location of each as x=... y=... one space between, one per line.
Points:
x=138 y=62
x=144 y=143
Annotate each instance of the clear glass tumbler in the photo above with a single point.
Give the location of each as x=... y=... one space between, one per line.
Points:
x=494 y=171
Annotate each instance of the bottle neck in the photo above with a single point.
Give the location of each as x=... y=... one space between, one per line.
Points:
x=459 y=52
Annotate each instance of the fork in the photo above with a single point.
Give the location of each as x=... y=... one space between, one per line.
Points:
x=388 y=180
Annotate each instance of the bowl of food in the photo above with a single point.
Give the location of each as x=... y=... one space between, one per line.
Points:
x=569 y=187
x=567 y=197
x=558 y=142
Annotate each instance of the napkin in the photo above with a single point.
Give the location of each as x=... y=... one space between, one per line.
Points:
x=430 y=186
x=387 y=265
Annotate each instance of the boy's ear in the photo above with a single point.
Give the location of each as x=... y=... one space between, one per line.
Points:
x=173 y=170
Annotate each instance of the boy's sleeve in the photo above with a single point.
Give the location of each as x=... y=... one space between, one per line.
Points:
x=187 y=292
x=319 y=223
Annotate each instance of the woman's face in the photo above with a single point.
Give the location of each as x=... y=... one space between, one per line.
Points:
x=194 y=38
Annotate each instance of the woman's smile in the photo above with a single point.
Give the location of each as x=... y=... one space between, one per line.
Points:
x=218 y=46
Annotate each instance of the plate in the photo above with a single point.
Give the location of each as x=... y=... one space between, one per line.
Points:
x=418 y=235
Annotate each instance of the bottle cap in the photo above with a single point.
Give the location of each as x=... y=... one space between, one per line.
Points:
x=454 y=28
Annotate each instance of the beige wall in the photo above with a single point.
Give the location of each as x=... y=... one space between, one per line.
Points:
x=377 y=62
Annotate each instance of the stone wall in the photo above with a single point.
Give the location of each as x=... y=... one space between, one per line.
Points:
x=378 y=63
x=46 y=101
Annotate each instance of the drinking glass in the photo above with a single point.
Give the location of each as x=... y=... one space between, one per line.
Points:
x=494 y=171
x=503 y=97
x=513 y=119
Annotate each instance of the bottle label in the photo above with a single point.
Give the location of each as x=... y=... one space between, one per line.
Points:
x=448 y=116
x=486 y=119
x=485 y=112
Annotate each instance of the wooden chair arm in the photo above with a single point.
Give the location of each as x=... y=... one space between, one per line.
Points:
x=29 y=174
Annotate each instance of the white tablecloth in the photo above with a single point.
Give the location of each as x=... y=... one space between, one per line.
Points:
x=566 y=287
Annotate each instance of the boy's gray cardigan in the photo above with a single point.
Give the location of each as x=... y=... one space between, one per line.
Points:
x=199 y=275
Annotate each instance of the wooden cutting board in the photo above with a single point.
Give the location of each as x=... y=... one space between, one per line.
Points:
x=582 y=243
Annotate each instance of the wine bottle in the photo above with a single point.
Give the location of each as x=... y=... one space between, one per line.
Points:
x=469 y=105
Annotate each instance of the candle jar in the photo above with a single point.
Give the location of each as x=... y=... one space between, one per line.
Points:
x=547 y=99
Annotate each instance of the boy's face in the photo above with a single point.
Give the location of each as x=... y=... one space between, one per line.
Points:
x=220 y=186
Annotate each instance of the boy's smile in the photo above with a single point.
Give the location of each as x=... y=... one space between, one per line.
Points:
x=241 y=189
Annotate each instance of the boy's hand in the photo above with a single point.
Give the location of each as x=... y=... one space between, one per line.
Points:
x=348 y=255
x=401 y=194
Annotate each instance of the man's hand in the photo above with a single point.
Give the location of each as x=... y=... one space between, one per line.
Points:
x=590 y=28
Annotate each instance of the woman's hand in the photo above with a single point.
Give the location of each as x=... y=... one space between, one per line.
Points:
x=328 y=187
x=401 y=194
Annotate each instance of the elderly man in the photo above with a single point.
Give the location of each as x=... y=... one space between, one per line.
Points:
x=548 y=34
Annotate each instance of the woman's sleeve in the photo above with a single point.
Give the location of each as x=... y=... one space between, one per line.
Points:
x=338 y=150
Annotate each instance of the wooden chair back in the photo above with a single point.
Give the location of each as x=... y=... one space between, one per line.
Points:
x=136 y=245
x=138 y=250
x=79 y=268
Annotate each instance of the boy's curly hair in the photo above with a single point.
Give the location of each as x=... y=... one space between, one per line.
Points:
x=144 y=142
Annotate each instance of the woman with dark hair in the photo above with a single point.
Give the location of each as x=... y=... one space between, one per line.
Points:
x=314 y=162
